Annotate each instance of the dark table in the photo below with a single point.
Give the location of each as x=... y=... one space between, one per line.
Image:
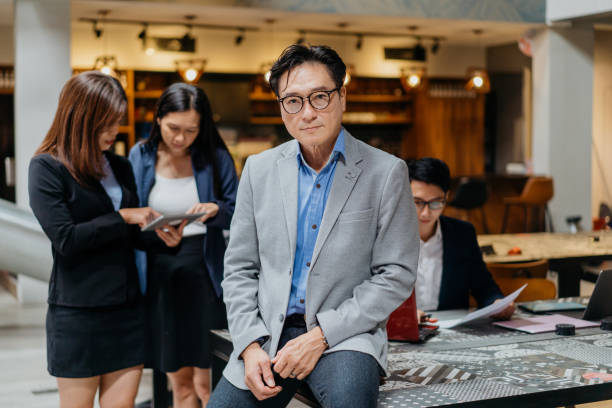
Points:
x=485 y=366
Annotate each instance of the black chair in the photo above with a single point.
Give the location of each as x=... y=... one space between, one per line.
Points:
x=471 y=193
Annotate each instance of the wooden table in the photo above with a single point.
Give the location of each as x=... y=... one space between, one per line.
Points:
x=565 y=252
x=484 y=366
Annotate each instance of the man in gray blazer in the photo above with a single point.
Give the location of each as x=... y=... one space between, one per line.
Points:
x=323 y=247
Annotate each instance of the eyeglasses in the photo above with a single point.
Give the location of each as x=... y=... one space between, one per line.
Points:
x=433 y=205
x=318 y=100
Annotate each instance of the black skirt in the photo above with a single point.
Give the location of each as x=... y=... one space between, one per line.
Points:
x=86 y=342
x=182 y=308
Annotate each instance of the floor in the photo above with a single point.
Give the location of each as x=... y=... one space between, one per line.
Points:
x=26 y=384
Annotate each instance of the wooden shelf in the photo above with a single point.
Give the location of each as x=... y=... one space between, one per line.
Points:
x=6 y=91
x=125 y=129
x=153 y=94
x=261 y=96
x=391 y=120
x=379 y=98
x=266 y=120
x=350 y=98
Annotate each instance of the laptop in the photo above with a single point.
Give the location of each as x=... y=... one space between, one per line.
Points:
x=600 y=304
x=403 y=324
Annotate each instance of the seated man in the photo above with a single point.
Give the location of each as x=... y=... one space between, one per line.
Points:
x=323 y=247
x=450 y=263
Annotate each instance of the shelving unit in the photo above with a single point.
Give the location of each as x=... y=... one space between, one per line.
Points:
x=377 y=109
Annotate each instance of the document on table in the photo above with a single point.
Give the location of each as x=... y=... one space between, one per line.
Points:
x=542 y=324
x=490 y=310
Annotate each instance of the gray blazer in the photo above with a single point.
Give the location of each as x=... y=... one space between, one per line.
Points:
x=364 y=261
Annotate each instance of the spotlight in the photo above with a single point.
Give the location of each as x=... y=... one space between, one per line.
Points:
x=435 y=46
x=412 y=78
x=359 y=42
x=478 y=80
x=239 y=37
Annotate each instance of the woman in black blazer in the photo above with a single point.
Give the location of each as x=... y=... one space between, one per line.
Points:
x=85 y=199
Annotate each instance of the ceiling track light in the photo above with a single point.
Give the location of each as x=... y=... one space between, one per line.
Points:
x=435 y=46
x=302 y=38
x=97 y=30
x=240 y=37
x=359 y=42
x=142 y=36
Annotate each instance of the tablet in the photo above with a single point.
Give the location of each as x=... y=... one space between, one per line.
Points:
x=174 y=219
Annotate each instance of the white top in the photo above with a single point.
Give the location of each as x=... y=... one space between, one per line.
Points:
x=176 y=196
x=429 y=272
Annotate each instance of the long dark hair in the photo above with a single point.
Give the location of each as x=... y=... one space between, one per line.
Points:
x=89 y=103
x=181 y=97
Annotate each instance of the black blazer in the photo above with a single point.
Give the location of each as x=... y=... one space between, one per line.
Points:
x=463 y=270
x=92 y=246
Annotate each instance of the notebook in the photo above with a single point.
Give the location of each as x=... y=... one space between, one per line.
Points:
x=542 y=324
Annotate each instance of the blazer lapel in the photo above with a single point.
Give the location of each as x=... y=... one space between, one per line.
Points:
x=148 y=174
x=345 y=177
x=288 y=174
x=445 y=283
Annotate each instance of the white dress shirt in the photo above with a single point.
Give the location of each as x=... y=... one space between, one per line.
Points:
x=176 y=196
x=429 y=272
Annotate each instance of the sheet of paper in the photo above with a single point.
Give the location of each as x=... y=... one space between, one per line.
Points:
x=487 y=311
x=542 y=324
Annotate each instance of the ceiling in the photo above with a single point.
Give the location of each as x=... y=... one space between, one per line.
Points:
x=454 y=31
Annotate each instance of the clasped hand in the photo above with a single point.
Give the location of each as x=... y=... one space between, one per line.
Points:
x=296 y=360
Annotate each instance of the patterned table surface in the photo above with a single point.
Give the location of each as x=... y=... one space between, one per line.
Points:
x=477 y=365
x=482 y=362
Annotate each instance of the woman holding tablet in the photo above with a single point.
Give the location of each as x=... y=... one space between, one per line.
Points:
x=185 y=167
x=85 y=199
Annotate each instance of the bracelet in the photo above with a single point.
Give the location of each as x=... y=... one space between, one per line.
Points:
x=325 y=343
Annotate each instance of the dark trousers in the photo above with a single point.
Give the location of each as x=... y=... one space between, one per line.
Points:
x=340 y=379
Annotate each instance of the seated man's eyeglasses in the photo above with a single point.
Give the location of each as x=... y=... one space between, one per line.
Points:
x=436 y=204
x=319 y=100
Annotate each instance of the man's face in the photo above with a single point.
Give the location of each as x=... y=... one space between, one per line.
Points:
x=424 y=192
x=310 y=126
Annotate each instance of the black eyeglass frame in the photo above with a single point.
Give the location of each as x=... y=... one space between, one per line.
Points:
x=422 y=203
x=280 y=100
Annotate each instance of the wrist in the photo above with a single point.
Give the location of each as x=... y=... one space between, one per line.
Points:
x=251 y=347
x=322 y=338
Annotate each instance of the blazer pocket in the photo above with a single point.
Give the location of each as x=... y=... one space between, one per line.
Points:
x=353 y=216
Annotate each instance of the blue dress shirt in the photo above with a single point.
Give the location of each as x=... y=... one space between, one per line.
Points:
x=313 y=190
x=111 y=186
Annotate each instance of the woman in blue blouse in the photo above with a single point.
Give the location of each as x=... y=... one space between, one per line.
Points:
x=185 y=167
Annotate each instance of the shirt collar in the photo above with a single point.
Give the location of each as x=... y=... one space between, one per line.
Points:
x=437 y=236
x=339 y=150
